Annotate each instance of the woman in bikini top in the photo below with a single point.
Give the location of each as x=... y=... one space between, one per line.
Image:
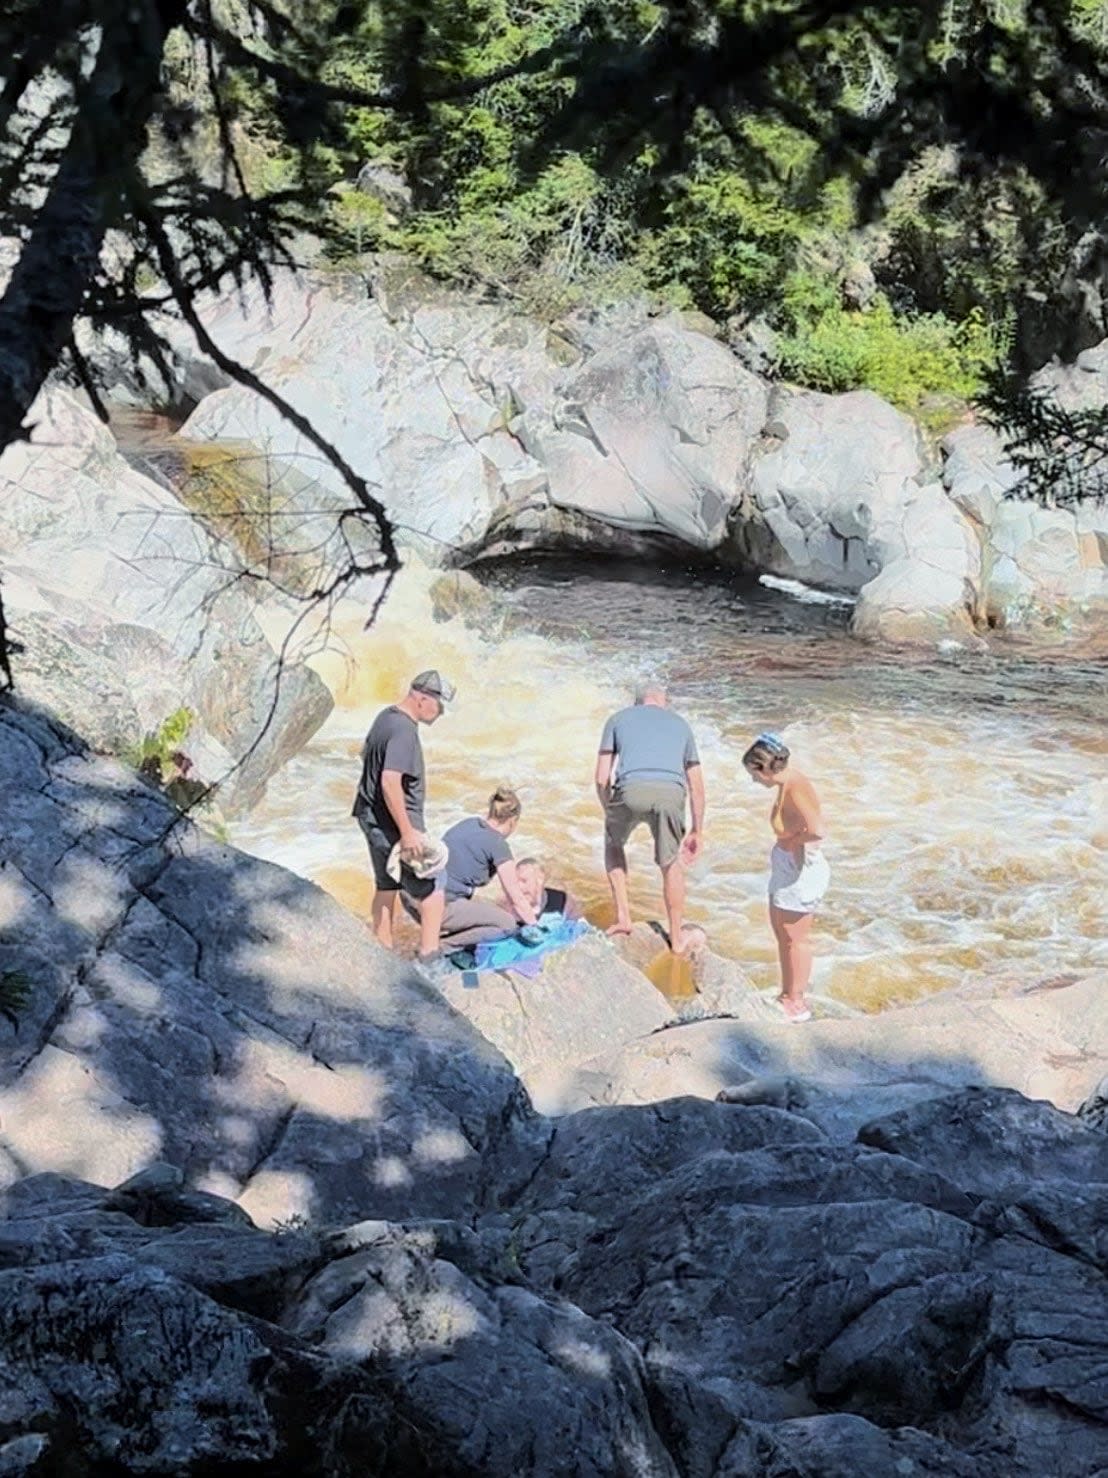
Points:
x=798 y=871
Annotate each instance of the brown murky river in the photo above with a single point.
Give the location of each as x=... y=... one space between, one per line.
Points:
x=966 y=794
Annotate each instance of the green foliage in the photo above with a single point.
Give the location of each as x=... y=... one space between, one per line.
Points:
x=156 y=751
x=15 y=992
x=1062 y=453
x=905 y=358
x=725 y=242
x=296 y=1224
x=756 y=209
x=160 y=758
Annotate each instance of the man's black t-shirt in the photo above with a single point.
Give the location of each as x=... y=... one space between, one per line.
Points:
x=391 y=744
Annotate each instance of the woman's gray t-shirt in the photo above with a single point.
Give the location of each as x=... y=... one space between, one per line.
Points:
x=476 y=851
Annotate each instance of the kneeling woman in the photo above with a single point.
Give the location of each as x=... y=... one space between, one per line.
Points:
x=479 y=851
x=798 y=870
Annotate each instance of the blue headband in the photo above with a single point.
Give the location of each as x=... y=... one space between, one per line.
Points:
x=773 y=742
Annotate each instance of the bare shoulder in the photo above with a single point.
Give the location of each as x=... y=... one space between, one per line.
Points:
x=802 y=788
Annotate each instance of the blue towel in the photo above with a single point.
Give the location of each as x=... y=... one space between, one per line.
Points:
x=515 y=954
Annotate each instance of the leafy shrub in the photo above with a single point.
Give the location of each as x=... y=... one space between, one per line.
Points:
x=15 y=992
x=903 y=357
x=160 y=758
x=157 y=749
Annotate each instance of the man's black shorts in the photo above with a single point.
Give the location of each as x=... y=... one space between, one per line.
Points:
x=380 y=844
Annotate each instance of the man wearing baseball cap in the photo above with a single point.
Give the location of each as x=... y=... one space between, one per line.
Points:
x=389 y=806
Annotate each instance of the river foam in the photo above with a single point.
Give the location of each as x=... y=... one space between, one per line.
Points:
x=968 y=839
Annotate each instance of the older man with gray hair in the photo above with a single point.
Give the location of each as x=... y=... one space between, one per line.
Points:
x=646 y=769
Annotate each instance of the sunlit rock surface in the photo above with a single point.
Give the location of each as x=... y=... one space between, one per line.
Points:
x=486 y=432
x=127 y=609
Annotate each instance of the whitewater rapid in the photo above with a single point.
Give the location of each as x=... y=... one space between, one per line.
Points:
x=968 y=832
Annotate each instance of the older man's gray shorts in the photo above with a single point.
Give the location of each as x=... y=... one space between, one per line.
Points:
x=659 y=804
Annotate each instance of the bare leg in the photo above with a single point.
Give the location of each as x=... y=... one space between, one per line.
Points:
x=382 y=916
x=431 y=910
x=793 y=932
x=673 y=893
x=615 y=864
x=779 y=939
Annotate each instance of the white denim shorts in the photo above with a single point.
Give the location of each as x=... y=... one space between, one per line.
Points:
x=798 y=884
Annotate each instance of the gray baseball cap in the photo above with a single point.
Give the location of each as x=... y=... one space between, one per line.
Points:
x=434 y=685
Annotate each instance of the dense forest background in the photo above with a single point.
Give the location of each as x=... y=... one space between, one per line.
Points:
x=907 y=195
x=904 y=197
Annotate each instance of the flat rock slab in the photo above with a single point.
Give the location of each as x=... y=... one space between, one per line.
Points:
x=585 y=999
x=1049 y=1042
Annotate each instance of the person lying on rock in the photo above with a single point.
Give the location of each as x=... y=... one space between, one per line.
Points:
x=478 y=851
x=646 y=770
x=798 y=871
x=389 y=806
x=532 y=883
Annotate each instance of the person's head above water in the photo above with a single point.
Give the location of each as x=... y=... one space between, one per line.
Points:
x=651 y=692
x=766 y=759
x=505 y=809
x=532 y=879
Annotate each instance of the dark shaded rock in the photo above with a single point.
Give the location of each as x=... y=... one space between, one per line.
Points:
x=993 y=1141
x=195 y=1006
x=240 y=1267
x=158 y=1197
x=1094 y=1111
x=155 y=1377
x=843 y=1446
x=1070 y=1219
x=1013 y=1365
x=915 y=1354
x=68 y=1236
x=765 y=1283
x=26 y=1405
x=514 y=1382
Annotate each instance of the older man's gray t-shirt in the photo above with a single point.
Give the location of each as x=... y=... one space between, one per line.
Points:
x=476 y=851
x=649 y=743
x=391 y=744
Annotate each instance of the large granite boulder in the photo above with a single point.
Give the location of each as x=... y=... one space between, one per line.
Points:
x=397 y=399
x=182 y=1345
x=833 y=473
x=1043 y=565
x=515 y=1382
x=189 y=1003
x=128 y=609
x=838 y=499
x=976 y=472
x=912 y=603
x=585 y=1000
x=481 y=429
x=1045 y=1042
x=652 y=434
x=485 y=432
x=1080 y=386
